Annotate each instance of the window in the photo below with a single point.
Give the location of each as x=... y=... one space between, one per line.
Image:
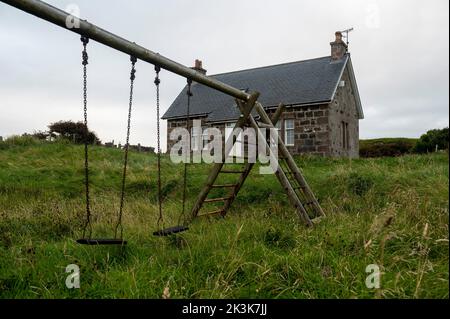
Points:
x=345 y=135
x=289 y=132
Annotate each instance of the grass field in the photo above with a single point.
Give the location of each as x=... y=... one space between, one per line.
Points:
x=392 y=212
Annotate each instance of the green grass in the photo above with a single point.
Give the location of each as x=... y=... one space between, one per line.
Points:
x=388 y=211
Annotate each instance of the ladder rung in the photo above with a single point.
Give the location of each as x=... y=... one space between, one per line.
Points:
x=224 y=185
x=216 y=212
x=231 y=172
x=219 y=199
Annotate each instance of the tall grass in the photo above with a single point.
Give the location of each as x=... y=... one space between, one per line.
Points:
x=392 y=212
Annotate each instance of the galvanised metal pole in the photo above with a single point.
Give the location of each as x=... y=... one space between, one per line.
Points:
x=59 y=17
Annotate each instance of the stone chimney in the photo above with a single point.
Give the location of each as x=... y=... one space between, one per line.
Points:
x=338 y=47
x=198 y=67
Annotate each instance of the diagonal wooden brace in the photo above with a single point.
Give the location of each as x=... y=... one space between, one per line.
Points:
x=283 y=179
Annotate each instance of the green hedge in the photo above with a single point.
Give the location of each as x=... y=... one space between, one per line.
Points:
x=386 y=147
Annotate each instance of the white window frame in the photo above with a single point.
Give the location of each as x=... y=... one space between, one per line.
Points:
x=287 y=130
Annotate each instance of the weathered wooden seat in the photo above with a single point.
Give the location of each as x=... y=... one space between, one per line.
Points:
x=101 y=241
x=170 y=230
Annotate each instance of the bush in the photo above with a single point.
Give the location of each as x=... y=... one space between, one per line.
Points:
x=73 y=131
x=386 y=147
x=428 y=142
x=40 y=135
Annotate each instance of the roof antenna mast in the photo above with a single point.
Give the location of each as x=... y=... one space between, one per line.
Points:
x=346 y=32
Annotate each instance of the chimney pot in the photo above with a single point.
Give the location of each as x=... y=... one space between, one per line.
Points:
x=198 y=66
x=338 y=47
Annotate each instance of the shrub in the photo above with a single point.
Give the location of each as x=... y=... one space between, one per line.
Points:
x=73 y=131
x=429 y=141
x=386 y=147
x=40 y=135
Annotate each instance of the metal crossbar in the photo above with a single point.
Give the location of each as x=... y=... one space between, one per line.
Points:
x=59 y=17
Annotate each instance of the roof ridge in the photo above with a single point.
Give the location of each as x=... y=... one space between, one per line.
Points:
x=270 y=66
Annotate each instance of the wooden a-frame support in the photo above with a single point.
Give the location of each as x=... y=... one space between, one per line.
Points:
x=299 y=196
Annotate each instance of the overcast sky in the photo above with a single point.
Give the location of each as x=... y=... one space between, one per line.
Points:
x=400 y=53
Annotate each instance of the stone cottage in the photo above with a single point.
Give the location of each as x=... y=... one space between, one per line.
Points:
x=323 y=107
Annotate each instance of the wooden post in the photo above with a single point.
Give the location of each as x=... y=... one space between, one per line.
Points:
x=284 y=181
x=290 y=162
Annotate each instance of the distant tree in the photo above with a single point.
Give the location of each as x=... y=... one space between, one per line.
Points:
x=72 y=131
x=427 y=142
x=40 y=135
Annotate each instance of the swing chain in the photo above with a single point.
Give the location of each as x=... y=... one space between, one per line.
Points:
x=157 y=82
x=85 y=41
x=189 y=95
x=122 y=196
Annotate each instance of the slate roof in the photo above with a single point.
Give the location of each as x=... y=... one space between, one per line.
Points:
x=301 y=82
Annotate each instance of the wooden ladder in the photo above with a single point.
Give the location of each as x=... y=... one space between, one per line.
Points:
x=288 y=174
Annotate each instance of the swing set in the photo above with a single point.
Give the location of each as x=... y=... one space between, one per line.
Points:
x=289 y=175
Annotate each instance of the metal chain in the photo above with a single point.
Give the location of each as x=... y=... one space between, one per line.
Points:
x=87 y=224
x=189 y=94
x=157 y=82
x=125 y=161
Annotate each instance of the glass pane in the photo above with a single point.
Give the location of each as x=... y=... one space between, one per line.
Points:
x=289 y=124
x=290 y=137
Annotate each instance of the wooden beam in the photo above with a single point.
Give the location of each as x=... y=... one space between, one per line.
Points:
x=281 y=176
x=290 y=162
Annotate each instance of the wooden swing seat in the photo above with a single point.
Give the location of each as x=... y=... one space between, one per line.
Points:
x=101 y=241
x=170 y=230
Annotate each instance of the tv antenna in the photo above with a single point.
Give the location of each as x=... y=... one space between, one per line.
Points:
x=345 y=34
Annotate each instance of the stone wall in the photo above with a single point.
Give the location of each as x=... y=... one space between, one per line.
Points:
x=343 y=110
x=311 y=129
